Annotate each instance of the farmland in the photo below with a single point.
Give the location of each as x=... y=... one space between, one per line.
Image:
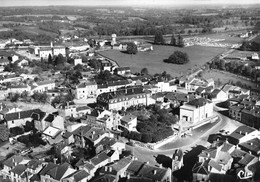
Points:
x=153 y=60
x=226 y=77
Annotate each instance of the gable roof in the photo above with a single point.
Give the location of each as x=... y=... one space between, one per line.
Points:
x=241 y=132
x=21 y=114
x=128 y=118
x=16 y=159
x=198 y=102
x=252 y=145
x=49 y=118
x=78 y=175
x=152 y=172
x=99 y=158
x=19 y=169
x=201 y=168
x=58 y=171
x=215 y=165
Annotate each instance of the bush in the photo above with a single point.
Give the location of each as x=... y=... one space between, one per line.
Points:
x=178 y=57
x=16 y=131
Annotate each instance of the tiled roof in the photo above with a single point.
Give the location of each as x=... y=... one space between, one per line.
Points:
x=134 y=167
x=16 y=159
x=128 y=118
x=19 y=169
x=152 y=172
x=241 y=131
x=66 y=135
x=198 y=102
x=58 y=171
x=38 y=116
x=122 y=69
x=92 y=133
x=246 y=159
x=47 y=168
x=121 y=163
x=237 y=153
x=201 y=168
x=215 y=165
x=252 y=145
x=78 y=175
x=209 y=153
x=99 y=158
x=46 y=82
x=226 y=147
x=106 y=141
x=33 y=164
x=103 y=178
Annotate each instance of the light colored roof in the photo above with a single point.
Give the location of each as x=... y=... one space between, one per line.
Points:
x=128 y=118
x=51 y=131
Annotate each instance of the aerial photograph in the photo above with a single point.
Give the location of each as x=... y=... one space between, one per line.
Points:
x=129 y=91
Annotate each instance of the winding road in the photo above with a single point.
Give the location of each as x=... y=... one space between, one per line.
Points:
x=199 y=137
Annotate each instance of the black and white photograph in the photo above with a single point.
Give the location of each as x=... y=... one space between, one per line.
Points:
x=129 y=91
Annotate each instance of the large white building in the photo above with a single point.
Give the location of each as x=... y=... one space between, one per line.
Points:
x=86 y=90
x=196 y=110
x=45 y=51
x=124 y=98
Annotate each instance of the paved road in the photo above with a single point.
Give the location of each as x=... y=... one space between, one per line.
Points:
x=199 y=137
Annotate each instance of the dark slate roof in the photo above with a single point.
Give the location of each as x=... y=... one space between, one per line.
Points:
x=82 y=108
x=21 y=114
x=106 y=141
x=67 y=134
x=103 y=178
x=122 y=68
x=38 y=116
x=246 y=159
x=10 y=162
x=49 y=118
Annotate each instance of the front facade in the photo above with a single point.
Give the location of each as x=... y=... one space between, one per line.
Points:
x=196 y=110
x=86 y=90
x=125 y=98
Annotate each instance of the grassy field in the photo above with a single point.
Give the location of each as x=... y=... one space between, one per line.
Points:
x=153 y=60
x=225 y=77
x=36 y=30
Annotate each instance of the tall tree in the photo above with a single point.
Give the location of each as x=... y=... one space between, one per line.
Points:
x=158 y=38
x=50 y=59
x=180 y=41
x=173 y=40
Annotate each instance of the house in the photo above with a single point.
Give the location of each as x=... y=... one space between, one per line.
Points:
x=122 y=70
x=68 y=137
x=14 y=58
x=43 y=120
x=52 y=135
x=106 y=65
x=18 y=118
x=22 y=63
x=86 y=90
x=145 y=172
x=124 y=98
x=237 y=136
x=177 y=160
x=112 y=86
x=200 y=171
x=117 y=46
x=196 y=110
x=45 y=51
x=118 y=169
x=218 y=95
x=87 y=135
x=54 y=173
x=252 y=146
x=19 y=88
x=77 y=176
x=108 y=143
x=43 y=86
x=255 y=56
x=129 y=122
x=4 y=61
x=10 y=163
x=109 y=119
x=234 y=91
x=72 y=110
x=194 y=83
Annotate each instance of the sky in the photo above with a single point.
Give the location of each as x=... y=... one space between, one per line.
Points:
x=121 y=2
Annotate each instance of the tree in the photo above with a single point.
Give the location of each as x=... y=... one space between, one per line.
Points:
x=158 y=38
x=40 y=97
x=146 y=137
x=50 y=59
x=173 y=40
x=180 y=41
x=144 y=71
x=131 y=48
x=178 y=57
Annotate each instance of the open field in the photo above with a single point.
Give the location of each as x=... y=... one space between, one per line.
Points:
x=153 y=60
x=225 y=77
x=36 y=30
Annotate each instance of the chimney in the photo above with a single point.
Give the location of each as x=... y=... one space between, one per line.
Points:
x=128 y=176
x=105 y=168
x=19 y=115
x=160 y=166
x=55 y=160
x=246 y=133
x=110 y=169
